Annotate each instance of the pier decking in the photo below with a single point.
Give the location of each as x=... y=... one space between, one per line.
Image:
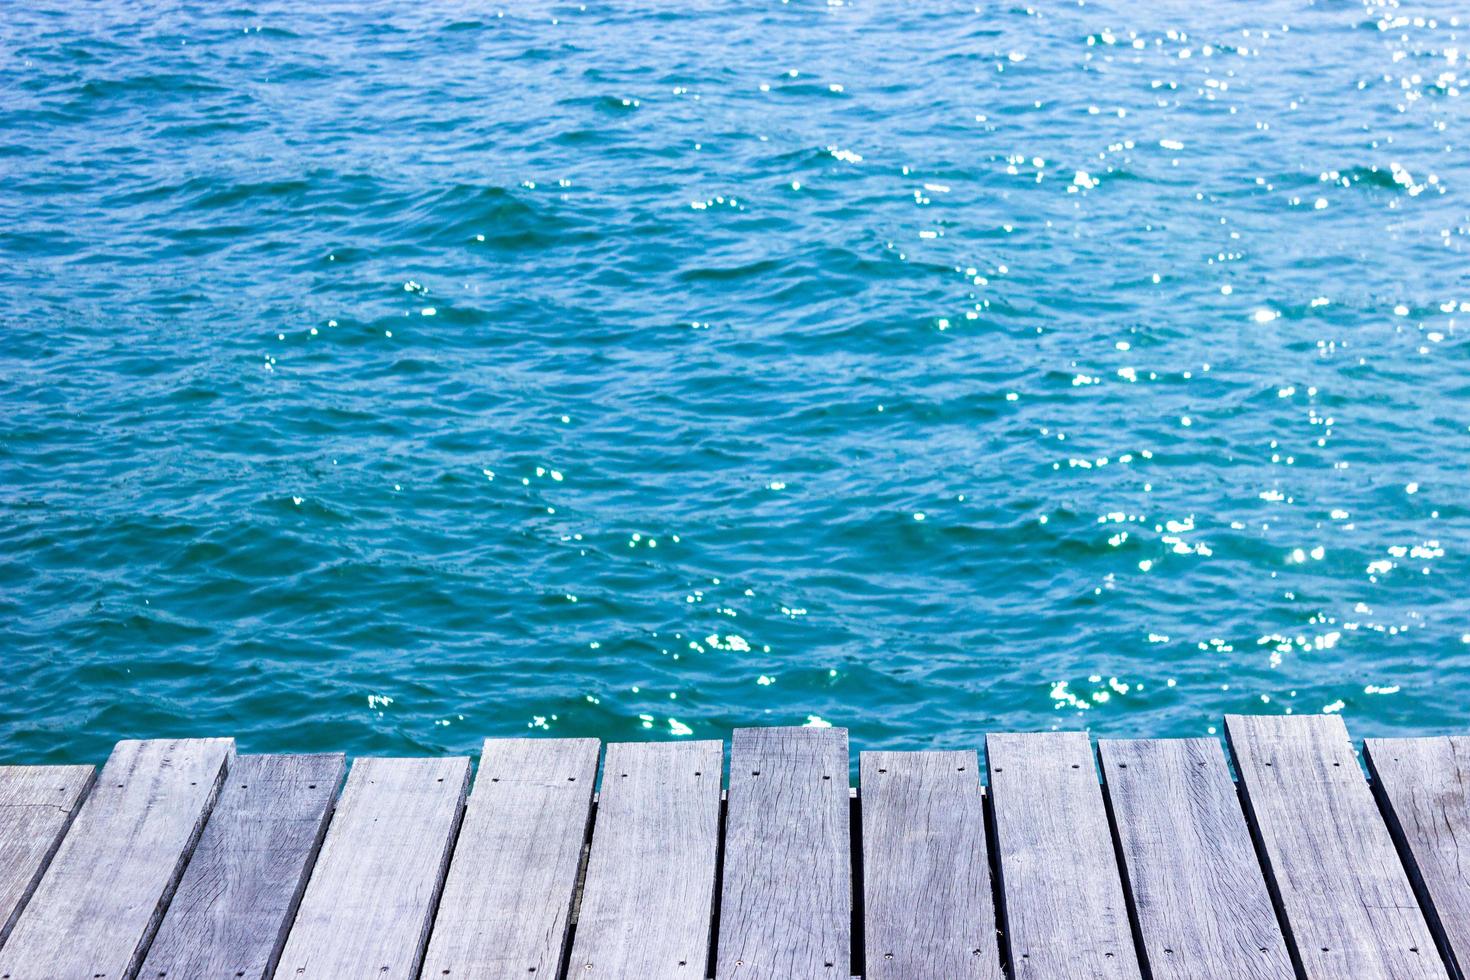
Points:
x=181 y=859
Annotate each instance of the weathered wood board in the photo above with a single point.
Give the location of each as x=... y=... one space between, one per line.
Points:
x=1348 y=906
x=786 y=900
x=37 y=804
x=239 y=893
x=368 y=906
x=183 y=860
x=1198 y=892
x=648 y=901
x=507 y=902
x=928 y=908
x=100 y=900
x=1064 y=909
x=1424 y=787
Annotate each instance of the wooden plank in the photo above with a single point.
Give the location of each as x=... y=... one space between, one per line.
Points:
x=786 y=901
x=1064 y=910
x=368 y=906
x=37 y=804
x=648 y=902
x=1198 y=892
x=101 y=898
x=1423 y=785
x=239 y=893
x=928 y=909
x=1347 y=904
x=507 y=903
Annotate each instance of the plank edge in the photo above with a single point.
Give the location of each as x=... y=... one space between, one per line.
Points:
x=29 y=889
x=1410 y=862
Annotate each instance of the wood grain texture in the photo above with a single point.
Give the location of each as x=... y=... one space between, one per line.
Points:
x=1424 y=788
x=1348 y=907
x=100 y=900
x=239 y=893
x=368 y=906
x=507 y=902
x=37 y=804
x=1198 y=891
x=648 y=902
x=928 y=908
x=1065 y=916
x=786 y=900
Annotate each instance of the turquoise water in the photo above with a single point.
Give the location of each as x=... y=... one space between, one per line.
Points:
x=382 y=377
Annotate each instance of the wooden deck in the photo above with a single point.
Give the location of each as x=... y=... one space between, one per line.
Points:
x=181 y=859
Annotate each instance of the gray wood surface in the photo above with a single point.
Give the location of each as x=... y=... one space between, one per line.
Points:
x=1424 y=785
x=928 y=908
x=1348 y=905
x=368 y=906
x=100 y=900
x=1198 y=891
x=1065 y=916
x=786 y=900
x=37 y=804
x=239 y=893
x=507 y=903
x=648 y=902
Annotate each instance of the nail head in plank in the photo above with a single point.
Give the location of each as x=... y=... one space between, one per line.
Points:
x=1064 y=910
x=1198 y=891
x=648 y=902
x=507 y=900
x=926 y=875
x=786 y=900
x=367 y=908
x=1348 y=906
x=37 y=804
x=101 y=898
x=239 y=893
x=1424 y=784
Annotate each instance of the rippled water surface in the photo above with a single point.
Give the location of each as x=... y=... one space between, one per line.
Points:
x=381 y=377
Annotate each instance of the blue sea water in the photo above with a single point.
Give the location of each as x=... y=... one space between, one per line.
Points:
x=380 y=377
